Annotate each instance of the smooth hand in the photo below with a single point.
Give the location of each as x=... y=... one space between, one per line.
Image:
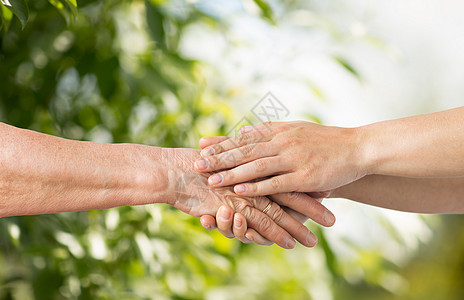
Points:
x=194 y=196
x=284 y=157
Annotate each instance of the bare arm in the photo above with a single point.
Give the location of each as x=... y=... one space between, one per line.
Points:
x=306 y=157
x=421 y=195
x=430 y=145
x=46 y=174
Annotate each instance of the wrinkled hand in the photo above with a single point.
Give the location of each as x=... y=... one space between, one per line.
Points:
x=237 y=226
x=308 y=205
x=299 y=157
x=194 y=196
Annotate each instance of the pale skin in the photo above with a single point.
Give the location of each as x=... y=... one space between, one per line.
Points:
x=42 y=174
x=414 y=164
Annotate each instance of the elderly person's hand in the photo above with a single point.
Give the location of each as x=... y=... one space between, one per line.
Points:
x=232 y=224
x=194 y=196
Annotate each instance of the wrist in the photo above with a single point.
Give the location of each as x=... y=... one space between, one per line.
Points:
x=144 y=174
x=366 y=153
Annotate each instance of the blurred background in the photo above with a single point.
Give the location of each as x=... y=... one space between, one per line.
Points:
x=165 y=73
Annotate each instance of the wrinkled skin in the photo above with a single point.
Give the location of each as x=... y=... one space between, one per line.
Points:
x=194 y=196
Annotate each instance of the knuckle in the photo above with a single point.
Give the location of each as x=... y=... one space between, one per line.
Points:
x=247 y=150
x=218 y=148
x=227 y=176
x=260 y=165
x=253 y=188
x=284 y=140
x=214 y=162
x=276 y=182
x=293 y=196
x=240 y=140
x=264 y=224
x=242 y=206
x=267 y=124
x=307 y=173
x=278 y=215
x=234 y=142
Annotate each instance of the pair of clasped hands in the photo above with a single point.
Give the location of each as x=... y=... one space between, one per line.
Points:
x=267 y=160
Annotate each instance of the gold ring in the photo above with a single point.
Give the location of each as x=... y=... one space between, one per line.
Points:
x=268 y=207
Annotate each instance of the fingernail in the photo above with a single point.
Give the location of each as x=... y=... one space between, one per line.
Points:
x=202 y=139
x=248 y=236
x=312 y=239
x=329 y=218
x=246 y=129
x=215 y=179
x=291 y=244
x=237 y=222
x=240 y=188
x=207 y=152
x=202 y=164
x=207 y=226
x=225 y=215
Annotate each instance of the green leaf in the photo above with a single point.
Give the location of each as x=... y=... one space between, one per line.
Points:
x=21 y=10
x=155 y=24
x=266 y=10
x=72 y=2
x=313 y=118
x=316 y=91
x=347 y=66
x=68 y=8
x=72 y=6
x=5 y=17
x=332 y=263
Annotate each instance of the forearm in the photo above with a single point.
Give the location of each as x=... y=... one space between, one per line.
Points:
x=421 y=195
x=45 y=174
x=430 y=145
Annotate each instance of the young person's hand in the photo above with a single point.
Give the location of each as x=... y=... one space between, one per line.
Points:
x=284 y=157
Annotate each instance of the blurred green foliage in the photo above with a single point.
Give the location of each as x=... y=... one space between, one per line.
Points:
x=88 y=73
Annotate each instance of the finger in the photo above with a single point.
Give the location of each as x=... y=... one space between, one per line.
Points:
x=208 y=222
x=224 y=221
x=256 y=169
x=238 y=141
x=274 y=185
x=296 y=215
x=306 y=205
x=240 y=228
x=234 y=157
x=292 y=226
x=211 y=140
x=257 y=238
x=262 y=223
